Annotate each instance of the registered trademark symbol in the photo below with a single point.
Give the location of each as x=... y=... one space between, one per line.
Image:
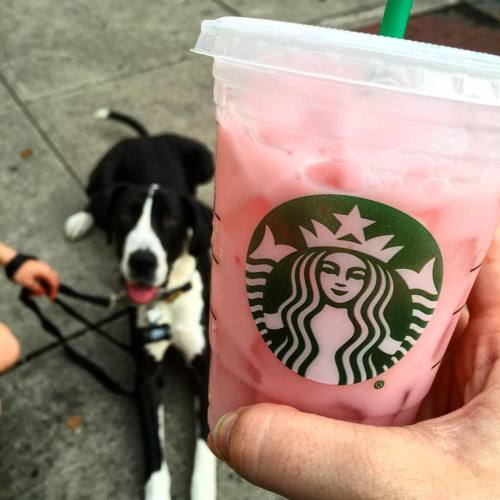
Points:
x=379 y=384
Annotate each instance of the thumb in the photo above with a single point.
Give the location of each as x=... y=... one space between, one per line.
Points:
x=300 y=455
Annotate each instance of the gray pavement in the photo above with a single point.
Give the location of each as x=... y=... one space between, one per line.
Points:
x=59 y=61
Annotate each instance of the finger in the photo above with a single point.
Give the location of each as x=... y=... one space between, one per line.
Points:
x=299 y=455
x=485 y=294
x=51 y=280
x=55 y=286
x=34 y=286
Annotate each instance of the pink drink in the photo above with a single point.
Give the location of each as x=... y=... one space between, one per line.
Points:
x=355 y=200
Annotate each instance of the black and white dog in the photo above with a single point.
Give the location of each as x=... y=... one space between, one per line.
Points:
x=141 y=194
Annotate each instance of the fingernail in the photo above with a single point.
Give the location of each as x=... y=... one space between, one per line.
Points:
x=222 y=434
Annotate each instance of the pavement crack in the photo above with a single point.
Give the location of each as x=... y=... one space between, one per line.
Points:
x=345 y=13
x=36 y=125
x=231 y=10
x=119 y=77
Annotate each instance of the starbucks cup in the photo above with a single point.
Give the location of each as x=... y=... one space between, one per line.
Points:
x=357 y=191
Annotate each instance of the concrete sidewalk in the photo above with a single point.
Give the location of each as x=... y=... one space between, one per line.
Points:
x=59 y=61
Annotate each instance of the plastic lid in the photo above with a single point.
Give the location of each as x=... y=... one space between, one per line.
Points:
x=378 y=61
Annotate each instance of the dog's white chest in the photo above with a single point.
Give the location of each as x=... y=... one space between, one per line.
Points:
x=183 y=315
x=151 y=317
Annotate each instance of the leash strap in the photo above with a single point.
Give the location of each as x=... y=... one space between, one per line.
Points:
x=77 y=358
x=93 y=299
x=70 y=311
x=151 y=334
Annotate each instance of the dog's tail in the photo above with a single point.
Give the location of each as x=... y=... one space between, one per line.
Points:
x=108 y=114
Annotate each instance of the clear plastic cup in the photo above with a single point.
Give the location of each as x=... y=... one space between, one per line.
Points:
x=357 y=192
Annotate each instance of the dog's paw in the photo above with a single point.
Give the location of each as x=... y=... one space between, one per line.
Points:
x=204 y=480
x=158 y=485
x=78 y=225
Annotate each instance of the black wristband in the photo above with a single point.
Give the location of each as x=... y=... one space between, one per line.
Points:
x=15 y=263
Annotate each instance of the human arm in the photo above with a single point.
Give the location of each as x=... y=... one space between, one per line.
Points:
x=32 y=273
x=6 y=254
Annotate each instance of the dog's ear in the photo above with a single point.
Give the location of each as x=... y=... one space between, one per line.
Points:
x=100 y=206
x=199 y=218
x=196 y=158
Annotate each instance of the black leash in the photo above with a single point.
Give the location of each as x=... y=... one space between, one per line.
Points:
x=148 y=334
x=96 y=371
x=92 y=326
x=92 y=299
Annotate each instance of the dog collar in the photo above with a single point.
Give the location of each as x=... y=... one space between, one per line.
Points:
x=157 y=332
x=170 y=296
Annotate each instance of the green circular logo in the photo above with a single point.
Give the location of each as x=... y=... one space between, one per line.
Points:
x=341 y=287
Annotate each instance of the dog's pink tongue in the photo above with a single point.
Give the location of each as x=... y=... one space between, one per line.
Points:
x=141 y=294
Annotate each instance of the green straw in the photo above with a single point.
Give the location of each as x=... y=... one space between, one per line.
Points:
x=395 y=19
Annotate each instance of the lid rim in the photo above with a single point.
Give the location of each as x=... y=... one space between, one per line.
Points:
x=338 y=38
x=465 y=100
x=442 y=72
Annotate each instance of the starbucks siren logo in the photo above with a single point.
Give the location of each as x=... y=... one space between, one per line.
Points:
x=341 y=287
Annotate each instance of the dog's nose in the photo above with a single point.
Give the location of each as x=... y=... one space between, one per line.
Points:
x=142 y=264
